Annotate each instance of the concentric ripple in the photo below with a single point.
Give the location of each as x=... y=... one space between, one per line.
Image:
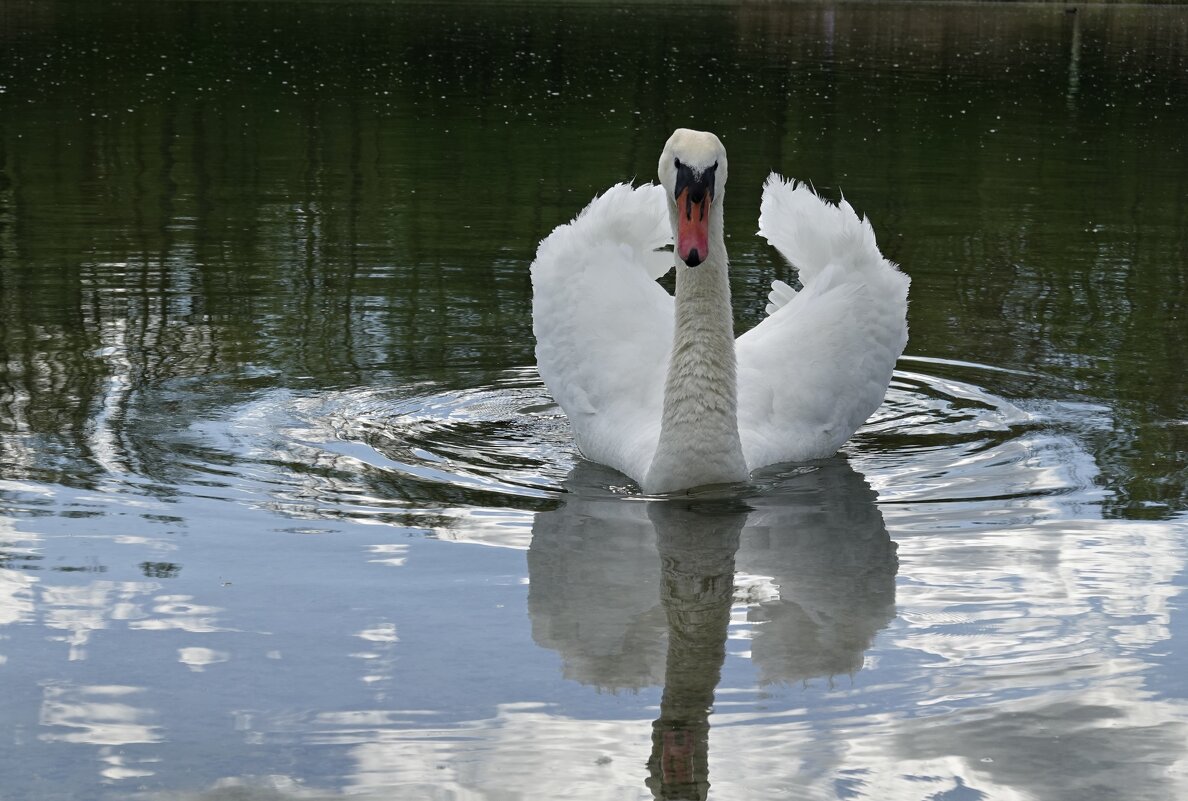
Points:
x=421 y=455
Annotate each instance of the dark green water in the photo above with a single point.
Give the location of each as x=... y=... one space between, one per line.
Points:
x=267 y=401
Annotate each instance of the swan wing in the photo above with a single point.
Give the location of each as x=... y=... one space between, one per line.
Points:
x=818 y=366
x=603 y=325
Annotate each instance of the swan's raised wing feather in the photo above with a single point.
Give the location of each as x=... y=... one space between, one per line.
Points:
x=781 y=295
x=604 y=326
x=812 y=372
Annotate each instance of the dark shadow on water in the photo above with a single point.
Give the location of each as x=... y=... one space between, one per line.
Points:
x=637 y=593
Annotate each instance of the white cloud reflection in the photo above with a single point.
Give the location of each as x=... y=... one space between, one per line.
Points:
x=96 y=715
x=79 y=610
x=198 y=659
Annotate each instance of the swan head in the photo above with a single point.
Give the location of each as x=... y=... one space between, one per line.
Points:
x=692 y=170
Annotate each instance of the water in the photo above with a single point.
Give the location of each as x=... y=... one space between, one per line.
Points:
x=285 y=511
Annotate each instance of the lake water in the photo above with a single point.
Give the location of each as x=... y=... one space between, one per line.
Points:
x=285 y=511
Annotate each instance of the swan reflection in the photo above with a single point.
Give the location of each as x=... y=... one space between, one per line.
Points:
x=635 y=593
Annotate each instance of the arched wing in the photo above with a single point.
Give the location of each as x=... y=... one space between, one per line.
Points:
x=603 y=325
x=812 y=371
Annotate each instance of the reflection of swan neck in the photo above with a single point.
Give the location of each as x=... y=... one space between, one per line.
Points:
x=699 y=442
x=697 y=549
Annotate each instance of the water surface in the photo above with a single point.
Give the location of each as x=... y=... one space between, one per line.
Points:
x=286 y=512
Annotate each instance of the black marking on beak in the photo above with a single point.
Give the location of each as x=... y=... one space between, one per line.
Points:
x=697 y=183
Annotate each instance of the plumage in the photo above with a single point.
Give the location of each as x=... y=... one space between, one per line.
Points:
x=656 y=386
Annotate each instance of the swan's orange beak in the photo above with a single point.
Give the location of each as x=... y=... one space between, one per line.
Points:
x=692 y=240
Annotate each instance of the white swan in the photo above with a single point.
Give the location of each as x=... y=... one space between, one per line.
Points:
x=659 y=388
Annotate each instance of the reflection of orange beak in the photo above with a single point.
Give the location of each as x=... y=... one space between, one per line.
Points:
x=692 y=241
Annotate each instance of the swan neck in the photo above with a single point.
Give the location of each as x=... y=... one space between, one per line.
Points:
x=699 y=442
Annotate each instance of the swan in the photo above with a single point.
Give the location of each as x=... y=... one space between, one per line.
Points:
x=657 y=386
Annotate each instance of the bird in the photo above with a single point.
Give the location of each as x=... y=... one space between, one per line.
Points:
x=656 y=385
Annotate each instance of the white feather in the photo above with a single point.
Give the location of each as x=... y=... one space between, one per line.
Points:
x=807 y=376
x=780 y=295
x=603 y=325
x=811 y=373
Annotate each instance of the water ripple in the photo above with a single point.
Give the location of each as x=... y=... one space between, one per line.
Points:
x=427 y=456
